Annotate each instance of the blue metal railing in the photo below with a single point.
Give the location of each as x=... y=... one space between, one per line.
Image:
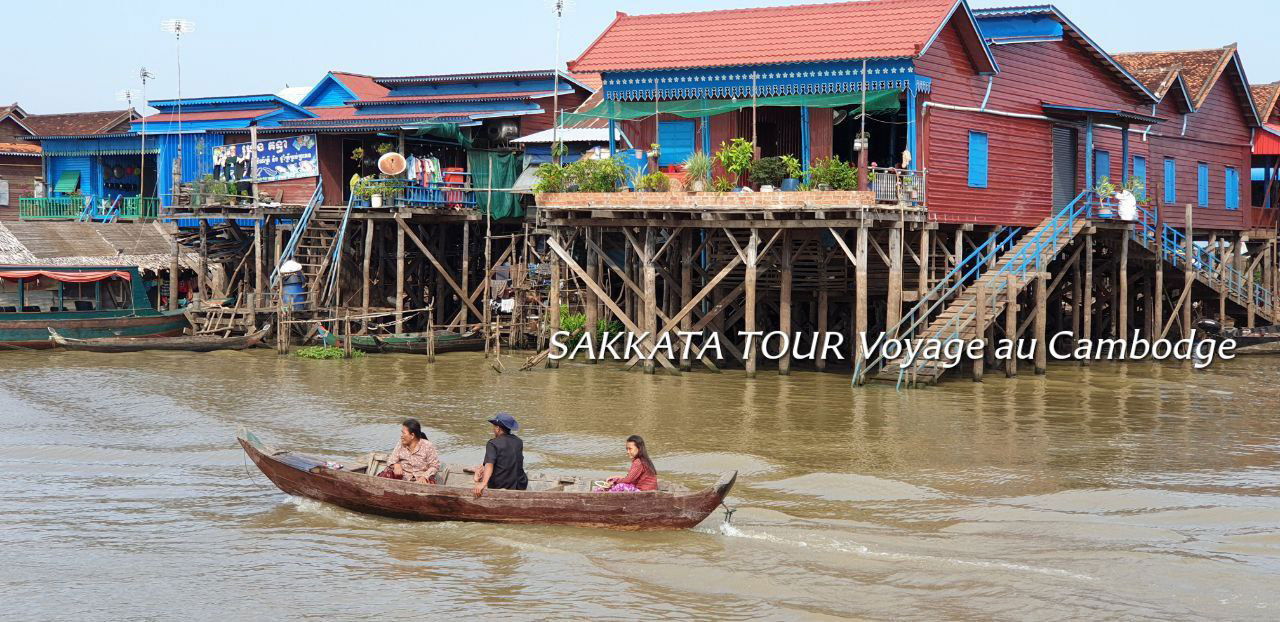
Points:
x=1032 y=255
x=398 y=192
x=966 y=270
x=299 y=230
x=336 y=254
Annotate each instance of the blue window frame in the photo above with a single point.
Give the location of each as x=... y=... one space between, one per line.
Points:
x=1202 y=185
x=1140 y=172
x=1170 y=181
x=978 y=159
x=1233 y=188
x=1102 y=166
x=675 y=142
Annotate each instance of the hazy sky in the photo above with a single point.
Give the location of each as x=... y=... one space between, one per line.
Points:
x=76 y=56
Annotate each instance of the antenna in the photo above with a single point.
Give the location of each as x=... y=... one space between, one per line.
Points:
x=559 y=7
x=178 y=27
x=143 y=75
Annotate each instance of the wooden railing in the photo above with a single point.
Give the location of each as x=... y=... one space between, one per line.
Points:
x=51 y=208
x=140 y=208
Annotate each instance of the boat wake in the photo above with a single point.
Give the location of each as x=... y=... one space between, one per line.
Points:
x=830 y=544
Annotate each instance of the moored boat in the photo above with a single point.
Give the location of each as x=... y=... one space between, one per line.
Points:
x=412 y=343
x=80 y=302
x=192 y=343
x=550 y=499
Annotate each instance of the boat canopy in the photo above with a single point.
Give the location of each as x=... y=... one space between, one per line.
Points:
x=66 y=276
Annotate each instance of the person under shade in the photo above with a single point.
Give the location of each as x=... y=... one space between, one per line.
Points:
x=503 y=458
x=414 y=459
x=642 y=476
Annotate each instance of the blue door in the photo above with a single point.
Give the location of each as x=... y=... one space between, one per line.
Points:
x=1140 y=171
x=675 y=140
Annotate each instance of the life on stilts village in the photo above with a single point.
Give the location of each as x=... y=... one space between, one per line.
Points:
x=884 y=206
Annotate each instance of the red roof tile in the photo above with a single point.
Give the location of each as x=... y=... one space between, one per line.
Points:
x=211 y=115
x=78 y=123
x=588 y=79
x=1199 y=68
x=1264 y=97
x=333 y=112
x=802 y=33
x=410 y=99
x=363 y=86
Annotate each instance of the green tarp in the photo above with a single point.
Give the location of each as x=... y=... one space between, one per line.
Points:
x=498 y=171
x=877 y=101
x=447 y=131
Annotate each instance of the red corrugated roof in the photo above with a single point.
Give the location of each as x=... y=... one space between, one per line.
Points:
x=363 y=86
x=328 y=113
x=381 y=117
x=409 y=99
x=212 y=115
x=803 y=33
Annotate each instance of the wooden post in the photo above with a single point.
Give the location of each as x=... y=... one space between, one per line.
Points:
x=981 y=333
x=1122 y=323
x=204 y=260
x=862 y=283
x=553 y=297
x=259 y=275
x=1086 y=299
x=175 y=272
x=823 y=302
x=893 y=310
x=1011 y=324
x=1157 y=299
x=922 y=282
x=590 y=299
x=1076 y=288
x=1042 y=322
x=1188 y=274
x=749 y=308
x=686 y=288
x=650 y=279
x=466 y=273
x=368 y=253
x=399 y=280
x=784 y=301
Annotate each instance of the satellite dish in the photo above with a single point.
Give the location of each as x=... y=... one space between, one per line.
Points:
x=391 y=163
x=838 y=116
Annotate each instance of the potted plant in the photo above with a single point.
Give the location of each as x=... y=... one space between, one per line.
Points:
x=551 y=178
x=736 y=156
x=768 y=173
x=654 y=182
x=832 y=174
x=655 y=150
x=1106 y=192
x=697 y=169
x=791 y=182
x=596 y=175
x=721 y=184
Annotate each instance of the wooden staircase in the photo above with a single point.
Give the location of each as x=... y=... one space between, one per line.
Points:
x=1014 y=271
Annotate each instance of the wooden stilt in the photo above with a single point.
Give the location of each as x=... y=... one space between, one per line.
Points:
x=981 y=323
x=1122 y=288
x=1076 y=307
x=203 y=275
x=922 y=275
x=893 y=309
x=400 y=278
x=823 y=312
x=686 y=288
x=175 y=272
x=650 y=278
x=1042 y=323
x=1011 y=324
x=553 y=297
x=259 y=275
x=784 y=300
x=749 y=318
x=1188 y=274
x=1157 y=298
x=590 y=301
x=465 y=277
x=368 y=255
x=860 y=302
x=1086 y=299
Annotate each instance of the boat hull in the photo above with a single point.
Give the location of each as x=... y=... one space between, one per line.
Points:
x=31 y=330
x=175 y=344
x=307 y=477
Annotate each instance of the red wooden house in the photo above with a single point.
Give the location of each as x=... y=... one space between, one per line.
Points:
x=1265 y=202
x=1201 y=154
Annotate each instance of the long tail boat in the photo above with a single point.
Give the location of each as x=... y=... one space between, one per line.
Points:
x=412 y=343
x=80 y=302
x=192 y=343
x=550 y=499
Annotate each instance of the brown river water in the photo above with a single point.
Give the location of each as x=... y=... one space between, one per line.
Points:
x=1140 y=491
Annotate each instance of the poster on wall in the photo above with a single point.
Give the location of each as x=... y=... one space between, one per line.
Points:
x=278 y=159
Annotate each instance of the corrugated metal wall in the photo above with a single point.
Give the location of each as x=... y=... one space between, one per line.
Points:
x=197 y=160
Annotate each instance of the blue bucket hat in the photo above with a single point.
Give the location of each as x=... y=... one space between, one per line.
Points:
x=505 y=420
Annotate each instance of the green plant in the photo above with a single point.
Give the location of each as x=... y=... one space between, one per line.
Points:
x=1135 y=185
x=558 y=149
x=768 y=171
x=698 y=166
x=382 y=148
x=552 y=177
x=720 y=184
x=835 y=174
x=324 y=353
x=805 y=186
x=597 y=175
x=1104 y=188
x=655 y=150
x=607 y=326
x=357 y=154
x=794 y=170
x=736 y=156
x=654 y=182
x=572 y=323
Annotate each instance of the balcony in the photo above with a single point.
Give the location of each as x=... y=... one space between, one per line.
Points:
x=52 y=208
x=86 y=208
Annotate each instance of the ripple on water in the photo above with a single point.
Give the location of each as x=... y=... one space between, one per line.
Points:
x=851 y=487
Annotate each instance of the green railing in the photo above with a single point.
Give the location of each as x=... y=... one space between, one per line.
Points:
x=140 y=208
x=51 y=208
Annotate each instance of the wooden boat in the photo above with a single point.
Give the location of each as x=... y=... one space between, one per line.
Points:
x=194 y=343
x=550 y=500
x=1256 y=340
x=80 y=302
x=412 y=343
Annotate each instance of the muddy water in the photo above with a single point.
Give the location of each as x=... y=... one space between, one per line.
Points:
x=1133 y=492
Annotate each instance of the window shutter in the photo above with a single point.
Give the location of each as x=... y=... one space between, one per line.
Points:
x=1202 y=185
x=978 y=158
x=1233 y=188
x=1170 y=181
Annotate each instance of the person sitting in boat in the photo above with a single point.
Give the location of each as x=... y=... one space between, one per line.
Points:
x=642 y=476
x=414 y=458
x=503 y=458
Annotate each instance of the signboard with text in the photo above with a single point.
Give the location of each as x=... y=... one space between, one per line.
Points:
x=278 y=159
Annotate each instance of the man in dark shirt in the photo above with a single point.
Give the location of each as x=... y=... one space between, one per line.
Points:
x=503 y=458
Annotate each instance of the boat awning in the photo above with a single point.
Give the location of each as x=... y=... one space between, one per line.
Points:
x=1099 y=115
x=1268 y=140
x=65 y=276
